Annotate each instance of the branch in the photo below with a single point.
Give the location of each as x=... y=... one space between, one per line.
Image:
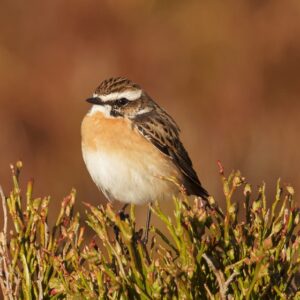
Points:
x=4 y=273
x=4 y=214
x=223 y=285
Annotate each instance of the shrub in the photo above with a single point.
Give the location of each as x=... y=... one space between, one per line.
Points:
x=204 y=255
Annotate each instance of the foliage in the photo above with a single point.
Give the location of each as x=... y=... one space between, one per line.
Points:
x=204 y=255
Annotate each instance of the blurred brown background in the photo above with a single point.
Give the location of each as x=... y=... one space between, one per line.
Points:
x=227 y=71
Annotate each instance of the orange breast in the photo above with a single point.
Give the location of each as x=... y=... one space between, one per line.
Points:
x=112 y=134
x=116 y=135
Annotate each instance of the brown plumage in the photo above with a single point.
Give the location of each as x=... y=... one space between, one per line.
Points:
x=156 y=125
x=159 y=128
x=130 y=144
x=117 y=84
x=162 y=131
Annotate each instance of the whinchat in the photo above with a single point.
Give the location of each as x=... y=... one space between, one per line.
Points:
x=129 y=144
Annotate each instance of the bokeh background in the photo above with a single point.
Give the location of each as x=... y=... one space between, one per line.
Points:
x=227 y=71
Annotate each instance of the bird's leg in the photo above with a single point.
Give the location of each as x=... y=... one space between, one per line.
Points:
x=122 y=216
x=145 y=239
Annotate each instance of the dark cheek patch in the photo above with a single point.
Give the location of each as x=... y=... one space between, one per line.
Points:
x=115 y=113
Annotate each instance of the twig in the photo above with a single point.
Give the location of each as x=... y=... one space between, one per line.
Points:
x=209 y=292
x=6 y=287
x=229 y=280
x=221 y=168
x=40 y=275
x=2 y=285
x=4 y=214
x=223 y=286
x=17 y=286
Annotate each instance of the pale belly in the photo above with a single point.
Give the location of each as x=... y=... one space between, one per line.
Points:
x=130 y=181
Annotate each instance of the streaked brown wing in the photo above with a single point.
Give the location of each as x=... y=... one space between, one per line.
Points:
x=161 y=130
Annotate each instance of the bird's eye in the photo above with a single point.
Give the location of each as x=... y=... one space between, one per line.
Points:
x=122 y=101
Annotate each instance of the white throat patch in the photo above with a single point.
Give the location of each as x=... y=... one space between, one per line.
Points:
x=104 y=109
x=130 y=95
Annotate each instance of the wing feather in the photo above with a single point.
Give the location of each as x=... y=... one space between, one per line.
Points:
x=162 y=131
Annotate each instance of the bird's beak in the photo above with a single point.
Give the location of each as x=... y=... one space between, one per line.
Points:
x=95 y=100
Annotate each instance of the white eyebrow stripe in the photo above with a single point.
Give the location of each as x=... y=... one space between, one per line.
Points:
x=129 y=95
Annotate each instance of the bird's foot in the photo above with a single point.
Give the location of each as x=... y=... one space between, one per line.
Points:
x=117 y=232
x=145 y=238
x=122 y=214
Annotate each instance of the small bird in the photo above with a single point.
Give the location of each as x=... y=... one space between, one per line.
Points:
x=130 y=144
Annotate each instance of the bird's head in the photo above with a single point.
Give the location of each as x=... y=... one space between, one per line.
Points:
x=120 y=98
